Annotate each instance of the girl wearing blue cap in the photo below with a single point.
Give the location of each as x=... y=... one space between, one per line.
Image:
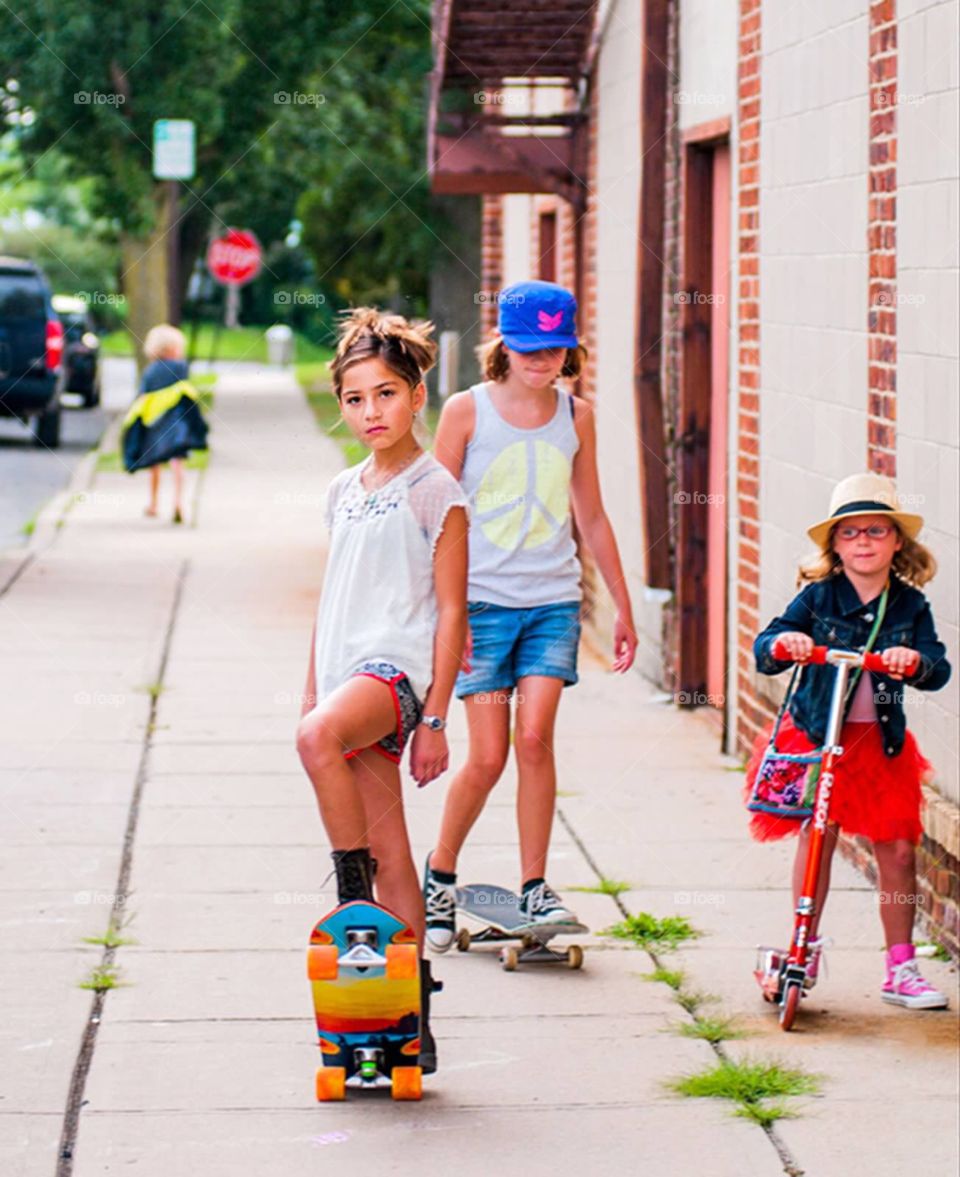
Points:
x=524 y=450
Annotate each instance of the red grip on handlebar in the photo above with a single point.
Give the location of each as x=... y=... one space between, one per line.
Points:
x=817 y=654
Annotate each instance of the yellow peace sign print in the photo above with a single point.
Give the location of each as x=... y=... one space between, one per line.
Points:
x=523 y=499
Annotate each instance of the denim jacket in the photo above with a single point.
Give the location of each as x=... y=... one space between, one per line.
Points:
x=831 y=612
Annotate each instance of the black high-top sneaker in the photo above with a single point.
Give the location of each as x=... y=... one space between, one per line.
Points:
x=428 y=1045
x=354 y=874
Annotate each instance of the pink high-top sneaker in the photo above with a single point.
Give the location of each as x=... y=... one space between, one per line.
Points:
x=904 y=984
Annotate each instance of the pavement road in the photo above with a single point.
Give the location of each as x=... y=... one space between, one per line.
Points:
x=31 y=475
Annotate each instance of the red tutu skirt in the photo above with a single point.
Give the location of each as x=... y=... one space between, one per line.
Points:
x=874 y=795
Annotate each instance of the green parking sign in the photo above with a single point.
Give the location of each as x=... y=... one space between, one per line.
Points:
x=174 y=149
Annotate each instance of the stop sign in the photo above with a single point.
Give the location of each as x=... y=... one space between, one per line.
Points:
x=234 y=258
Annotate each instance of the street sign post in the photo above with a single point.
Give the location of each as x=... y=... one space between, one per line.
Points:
x=174 y=159
x=234 y=259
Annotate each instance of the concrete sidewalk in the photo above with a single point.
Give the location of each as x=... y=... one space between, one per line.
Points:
x=147 y=766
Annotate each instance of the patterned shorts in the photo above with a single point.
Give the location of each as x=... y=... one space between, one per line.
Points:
x=408 y=707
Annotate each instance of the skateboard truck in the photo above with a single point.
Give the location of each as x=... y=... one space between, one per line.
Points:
x=362 y=953
x=368 y=1064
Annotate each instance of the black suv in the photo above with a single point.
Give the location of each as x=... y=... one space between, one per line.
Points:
x=31 y=350
x=81 y=349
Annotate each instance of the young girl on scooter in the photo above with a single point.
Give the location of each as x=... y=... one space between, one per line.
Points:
x=866 y=579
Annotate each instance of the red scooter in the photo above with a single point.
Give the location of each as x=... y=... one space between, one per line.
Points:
x=782 y=976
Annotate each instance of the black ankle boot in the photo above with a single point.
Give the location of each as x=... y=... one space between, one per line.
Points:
x=354 y=874
x=428 y=1045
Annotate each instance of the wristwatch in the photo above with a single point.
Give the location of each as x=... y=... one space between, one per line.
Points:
x=434 y=722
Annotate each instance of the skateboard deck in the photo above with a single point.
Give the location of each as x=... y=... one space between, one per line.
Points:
x=498 y=909
x=364 y=970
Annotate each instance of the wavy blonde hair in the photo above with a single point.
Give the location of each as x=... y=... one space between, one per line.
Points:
x=913 y=563
x=495 y=359
x=369 y=333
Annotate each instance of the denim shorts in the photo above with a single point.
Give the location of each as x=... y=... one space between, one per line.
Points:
x=509 y=644
x=408 y=708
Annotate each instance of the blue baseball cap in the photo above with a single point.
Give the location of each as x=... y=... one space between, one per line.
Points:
x=536 y=315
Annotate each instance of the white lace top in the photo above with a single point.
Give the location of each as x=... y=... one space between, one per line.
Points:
x=379 y=600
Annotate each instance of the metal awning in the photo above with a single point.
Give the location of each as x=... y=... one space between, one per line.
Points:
x=506 y=94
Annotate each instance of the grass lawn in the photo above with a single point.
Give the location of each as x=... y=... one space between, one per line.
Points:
x=241 y=343
x=315 y=381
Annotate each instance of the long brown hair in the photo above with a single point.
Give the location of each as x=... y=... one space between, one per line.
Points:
x=913 y=563
x=495 y=360
x=369 y=333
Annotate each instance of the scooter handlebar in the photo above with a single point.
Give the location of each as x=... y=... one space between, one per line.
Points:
x=820 y=655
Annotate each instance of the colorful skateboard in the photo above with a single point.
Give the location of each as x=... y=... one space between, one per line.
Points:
x=364 y=969
x=499 y=911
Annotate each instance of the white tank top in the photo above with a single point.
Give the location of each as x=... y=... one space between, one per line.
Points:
x=522 y=551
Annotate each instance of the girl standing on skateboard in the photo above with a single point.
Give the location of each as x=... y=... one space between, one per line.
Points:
x=867 y=578
x=391 y=624
x=524 y=450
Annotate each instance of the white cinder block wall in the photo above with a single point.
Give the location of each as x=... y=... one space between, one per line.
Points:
x=617 y=196
x=813 y=274
x=928 y=331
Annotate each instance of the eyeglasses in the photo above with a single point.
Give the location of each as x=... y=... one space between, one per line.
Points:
x=874 y=531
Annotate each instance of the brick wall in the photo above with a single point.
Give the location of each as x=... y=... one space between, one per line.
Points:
x=751 y=713
x=882 y=240
x=491 y=260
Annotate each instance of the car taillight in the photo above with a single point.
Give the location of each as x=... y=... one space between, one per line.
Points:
x=54 y=343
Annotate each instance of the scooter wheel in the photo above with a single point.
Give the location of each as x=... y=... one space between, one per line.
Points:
x=790 y=1005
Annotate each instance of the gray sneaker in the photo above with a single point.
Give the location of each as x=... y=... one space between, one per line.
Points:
x=541 y=905
x=440 y=902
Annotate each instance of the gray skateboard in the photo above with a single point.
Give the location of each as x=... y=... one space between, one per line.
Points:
x=498 y=910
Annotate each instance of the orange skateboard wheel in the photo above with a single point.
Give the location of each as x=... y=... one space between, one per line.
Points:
x=322 y=962
x=331 y=1083
x=403 y=962
x=407 y=1083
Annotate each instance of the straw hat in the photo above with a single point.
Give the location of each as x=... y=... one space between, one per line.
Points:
x=865 y=494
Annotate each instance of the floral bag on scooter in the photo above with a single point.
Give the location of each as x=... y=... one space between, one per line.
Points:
x=786 y=783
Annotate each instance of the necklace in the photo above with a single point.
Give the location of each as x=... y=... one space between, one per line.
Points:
x=391 y=474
